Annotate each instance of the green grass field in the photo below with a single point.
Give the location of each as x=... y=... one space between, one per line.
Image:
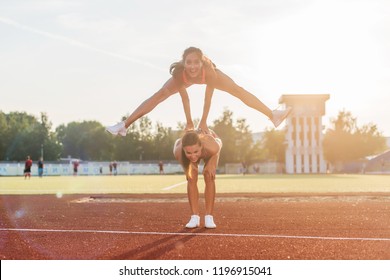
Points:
x=176 y=184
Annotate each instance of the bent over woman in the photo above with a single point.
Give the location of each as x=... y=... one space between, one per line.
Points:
x=189 y=151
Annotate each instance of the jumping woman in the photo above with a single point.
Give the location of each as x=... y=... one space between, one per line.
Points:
x=196 y=68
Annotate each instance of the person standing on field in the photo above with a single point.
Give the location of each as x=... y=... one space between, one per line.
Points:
x=40 y=167
x=27 y=167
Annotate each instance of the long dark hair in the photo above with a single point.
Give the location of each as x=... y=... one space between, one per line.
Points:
x=190 y=138
x=176 y=69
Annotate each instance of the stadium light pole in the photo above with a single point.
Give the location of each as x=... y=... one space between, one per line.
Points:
x=42 y=151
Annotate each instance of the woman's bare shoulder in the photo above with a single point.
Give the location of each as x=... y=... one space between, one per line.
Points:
x=210 y=143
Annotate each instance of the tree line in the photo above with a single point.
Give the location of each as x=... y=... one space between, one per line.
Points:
x=23 y=134
x=345 y=141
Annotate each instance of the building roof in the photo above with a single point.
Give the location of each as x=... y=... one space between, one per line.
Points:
x=287 y=98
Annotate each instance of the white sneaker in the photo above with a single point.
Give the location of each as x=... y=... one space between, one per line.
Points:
x=209 y=221
x=278 y=116
x=119 y=128
x=194 y=222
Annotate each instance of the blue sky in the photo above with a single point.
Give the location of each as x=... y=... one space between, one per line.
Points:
x=98 y=60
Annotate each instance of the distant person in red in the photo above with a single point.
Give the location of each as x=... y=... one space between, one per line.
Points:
x=75 y=167
x=27 y=167
x=161 y=167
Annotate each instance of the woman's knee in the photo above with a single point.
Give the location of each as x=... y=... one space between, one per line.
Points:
x=192 y=180
x=208 y=176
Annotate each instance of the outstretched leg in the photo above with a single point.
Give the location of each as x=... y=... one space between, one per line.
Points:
x=168 y=89
x=226 y=84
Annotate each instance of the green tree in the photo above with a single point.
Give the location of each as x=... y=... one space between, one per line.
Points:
x=142 y=143
x=3 y=133
x=19 y=125
x=273 y=144
x=345 y=141
x=46 y=140
x=163 y=142
x=257 y=153
x=125 y=148
x=138 y=143
x=244 y=141
x=371 y=140
x=86 y=140
x=236 y=138
x=25 y=135
x=225 y=129
x=146 y=144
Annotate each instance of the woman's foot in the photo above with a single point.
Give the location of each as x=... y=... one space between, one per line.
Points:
x=209 y=221
x=118 y=128
x=278 y=116
x=194 y=222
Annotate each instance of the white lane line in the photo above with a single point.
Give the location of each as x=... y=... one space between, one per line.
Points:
x=197 y=234
x=174 y=186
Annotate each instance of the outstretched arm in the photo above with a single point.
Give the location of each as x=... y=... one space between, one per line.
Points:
x=210 y=168
x=212 y=144
x=206 y=108
x=187 y=109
